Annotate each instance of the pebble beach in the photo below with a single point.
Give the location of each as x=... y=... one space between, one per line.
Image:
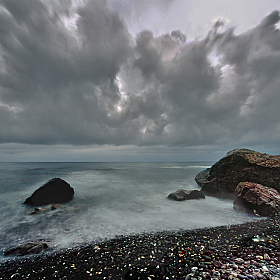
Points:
x=245 y=251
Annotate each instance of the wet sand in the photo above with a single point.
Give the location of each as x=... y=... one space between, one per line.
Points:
x=246 y=251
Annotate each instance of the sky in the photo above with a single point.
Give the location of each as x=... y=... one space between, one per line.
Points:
x=138 y=80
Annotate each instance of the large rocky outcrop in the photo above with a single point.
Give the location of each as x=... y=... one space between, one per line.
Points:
x=241 y=165
x=180 y=195
x=54 y=191
x=255 y=198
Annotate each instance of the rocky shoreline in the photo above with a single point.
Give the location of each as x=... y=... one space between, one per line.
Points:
x=250 y=178
x=246 y=251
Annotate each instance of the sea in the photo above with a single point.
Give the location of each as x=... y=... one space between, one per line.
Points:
x=111 y=199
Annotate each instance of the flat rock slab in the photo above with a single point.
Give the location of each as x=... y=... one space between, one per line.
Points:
x=27 y=249
x=181 y=195
x=54 y=191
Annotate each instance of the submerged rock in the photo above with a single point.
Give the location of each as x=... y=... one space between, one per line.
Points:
x=241 y=165
x=252 y=197
x=54 y=191
x=39 y=210
x=180 y=195
x=36 y=211
x=27 y=248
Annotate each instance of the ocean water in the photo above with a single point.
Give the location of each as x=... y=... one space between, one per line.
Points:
x=111 y=199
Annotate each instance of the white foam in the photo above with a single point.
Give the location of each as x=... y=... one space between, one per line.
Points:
x=117 y=202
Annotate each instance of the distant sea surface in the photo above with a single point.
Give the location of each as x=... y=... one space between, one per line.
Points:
x=111 y=199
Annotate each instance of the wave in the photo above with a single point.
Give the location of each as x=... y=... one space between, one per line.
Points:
x=199 y=166
x=106 y=169
x=186 y=167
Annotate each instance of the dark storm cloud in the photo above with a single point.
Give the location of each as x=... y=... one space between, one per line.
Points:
x=57 y=84
x=71 y=73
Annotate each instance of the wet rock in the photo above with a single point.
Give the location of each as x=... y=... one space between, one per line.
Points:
x=54 y=191
x=202 y=176
x=256 y=198
x=241 y=165
x=26 y=249
x=39 y=210
x=55 y=206
x=180 y=195
x=36 y=211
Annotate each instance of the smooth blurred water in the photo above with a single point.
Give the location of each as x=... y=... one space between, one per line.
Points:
x=110 y=199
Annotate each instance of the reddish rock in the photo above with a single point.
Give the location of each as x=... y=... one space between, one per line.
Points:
x=180 y=195
x=256 y=198
x=241 y=165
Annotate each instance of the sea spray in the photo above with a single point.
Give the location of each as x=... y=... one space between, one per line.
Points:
x=111 y=199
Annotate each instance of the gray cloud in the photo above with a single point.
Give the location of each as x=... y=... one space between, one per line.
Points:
x=72 y=74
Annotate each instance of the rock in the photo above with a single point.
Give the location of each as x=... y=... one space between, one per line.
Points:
x=26 y=249
x=195 y=194
x=180 y=195
x=55 y=206
x=39 y=210
x=241 y=165
x=202 y=176
x=256 y=198
x=36 y=211
x=54 y=191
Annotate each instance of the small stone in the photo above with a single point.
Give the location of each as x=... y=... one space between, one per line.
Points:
x=194 y=268
x=264 y=269
x=15 y=275
x=217 y=264
x=216 y=275
x=239 y=261
x=242 y=276
x=233 y=274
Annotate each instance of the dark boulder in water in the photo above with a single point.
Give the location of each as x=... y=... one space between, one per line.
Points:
x=180 y=195
x=255 y=198
x=27 y=248
x=54 y=191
